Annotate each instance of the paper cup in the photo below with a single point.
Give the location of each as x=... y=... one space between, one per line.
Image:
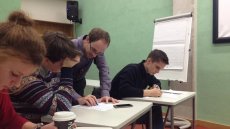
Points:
x=64 y=120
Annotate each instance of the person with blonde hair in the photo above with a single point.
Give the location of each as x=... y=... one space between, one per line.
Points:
x=21 y=53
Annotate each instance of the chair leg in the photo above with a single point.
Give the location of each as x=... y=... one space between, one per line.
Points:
x=133 y=125
x=143 y=126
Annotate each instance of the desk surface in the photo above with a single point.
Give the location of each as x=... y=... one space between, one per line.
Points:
x=114 y=118
x=169 y=97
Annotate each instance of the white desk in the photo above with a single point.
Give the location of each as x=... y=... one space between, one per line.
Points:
x=114 y=118
x=170 y=101
x=93 y=83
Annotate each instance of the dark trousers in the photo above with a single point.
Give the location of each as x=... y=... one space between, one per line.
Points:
x=79 y=86
x=157 y=119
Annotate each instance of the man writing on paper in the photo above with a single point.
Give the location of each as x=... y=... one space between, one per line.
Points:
x=133 y=80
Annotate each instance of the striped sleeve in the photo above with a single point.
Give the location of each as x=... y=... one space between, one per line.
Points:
x=45 y=98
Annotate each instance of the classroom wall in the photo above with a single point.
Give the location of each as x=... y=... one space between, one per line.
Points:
x=6 y=6
x=184 y=109
x=213 y=70
x=130 y=24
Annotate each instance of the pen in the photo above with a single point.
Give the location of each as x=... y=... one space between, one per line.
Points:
x=96 y=102
x=156 y=86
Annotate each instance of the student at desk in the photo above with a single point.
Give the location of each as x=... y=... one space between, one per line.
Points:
x=21 y=52
x=133 y=80
x=50 y=88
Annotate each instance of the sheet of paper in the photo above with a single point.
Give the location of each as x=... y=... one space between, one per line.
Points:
x=175 y=54
x=173 y=37
x=99 y=107
x=170 y=31
x=170 y=95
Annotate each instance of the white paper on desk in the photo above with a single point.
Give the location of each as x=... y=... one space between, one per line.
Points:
x=99 y=107
x=170 y=95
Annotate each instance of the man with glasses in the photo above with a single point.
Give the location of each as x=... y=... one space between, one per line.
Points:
x=93 y=47
x=138 y=80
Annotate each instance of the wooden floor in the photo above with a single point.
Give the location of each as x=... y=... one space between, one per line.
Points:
x=140 y=127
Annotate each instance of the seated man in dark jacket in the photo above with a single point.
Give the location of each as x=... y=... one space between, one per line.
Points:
x=133 y=80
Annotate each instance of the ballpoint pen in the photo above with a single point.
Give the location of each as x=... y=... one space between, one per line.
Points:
x=96 y=102
x=156 y=86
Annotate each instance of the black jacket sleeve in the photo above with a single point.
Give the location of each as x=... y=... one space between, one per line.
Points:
x=154 y=80
x=127 y=86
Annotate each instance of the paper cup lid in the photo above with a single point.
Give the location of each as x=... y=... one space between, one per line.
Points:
x=64 y=116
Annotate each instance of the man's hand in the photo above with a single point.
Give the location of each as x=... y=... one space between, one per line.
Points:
x=49 y=126
x=30 y=125
x=107 y=99
x=153 y=92
x=88 y=100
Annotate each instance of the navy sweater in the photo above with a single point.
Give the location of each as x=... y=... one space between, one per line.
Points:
x=131 y=81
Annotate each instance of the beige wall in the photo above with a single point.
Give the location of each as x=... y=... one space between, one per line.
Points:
x=185 y=109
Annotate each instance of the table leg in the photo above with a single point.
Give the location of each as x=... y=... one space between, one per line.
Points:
x=193 y=113
x=172 y=117
x=166 y=115
x=150 y=119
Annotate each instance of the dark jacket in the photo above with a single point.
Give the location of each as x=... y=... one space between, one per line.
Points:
x=131 y=81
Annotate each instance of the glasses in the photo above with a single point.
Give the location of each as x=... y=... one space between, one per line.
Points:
x=94 y=50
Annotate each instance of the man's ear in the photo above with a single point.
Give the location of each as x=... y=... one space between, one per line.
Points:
x=148 y=60
x=87 y=38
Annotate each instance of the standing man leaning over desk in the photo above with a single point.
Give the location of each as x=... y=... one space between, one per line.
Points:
x=93 y=47
x=133 y=80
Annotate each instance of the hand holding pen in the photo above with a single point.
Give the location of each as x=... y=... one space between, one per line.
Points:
x=159 y=93
x=153 y=91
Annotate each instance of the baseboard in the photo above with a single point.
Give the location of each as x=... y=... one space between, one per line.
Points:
x=207 y=124
x=211 y=125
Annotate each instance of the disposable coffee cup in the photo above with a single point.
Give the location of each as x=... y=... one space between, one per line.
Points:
x=64 y=120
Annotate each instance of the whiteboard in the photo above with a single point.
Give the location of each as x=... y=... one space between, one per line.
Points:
x=173 y=37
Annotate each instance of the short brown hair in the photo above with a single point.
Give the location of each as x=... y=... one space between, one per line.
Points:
x=58 y=46
x=97 y=33
x=158 y=56
x=19 y=39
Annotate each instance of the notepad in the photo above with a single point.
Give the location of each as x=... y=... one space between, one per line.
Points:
x=99 y=107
